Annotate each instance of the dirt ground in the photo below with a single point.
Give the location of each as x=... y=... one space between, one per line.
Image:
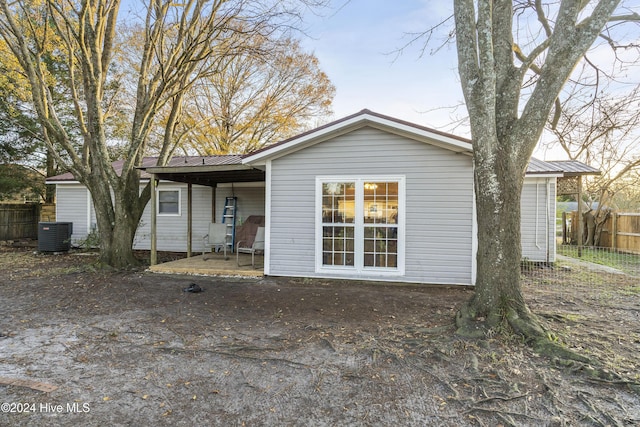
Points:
x=131 y=348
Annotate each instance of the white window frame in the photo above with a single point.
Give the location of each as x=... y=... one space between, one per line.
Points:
x=359 y=269
x=158 y=191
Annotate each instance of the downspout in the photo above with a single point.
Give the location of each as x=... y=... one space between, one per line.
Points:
x=548 y=221
x=537 y=214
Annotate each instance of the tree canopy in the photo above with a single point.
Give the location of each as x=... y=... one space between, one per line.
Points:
x=73 y=49
x=271 y=92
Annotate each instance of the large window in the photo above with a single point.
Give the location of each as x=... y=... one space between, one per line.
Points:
x=360 y=224
x=169 y=202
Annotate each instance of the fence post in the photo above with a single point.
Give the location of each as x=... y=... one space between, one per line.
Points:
x=614 y=231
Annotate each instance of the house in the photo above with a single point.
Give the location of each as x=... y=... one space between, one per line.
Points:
x=366 y=197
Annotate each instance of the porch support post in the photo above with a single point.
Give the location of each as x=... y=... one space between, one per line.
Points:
x=213 y=203
x=154 y=210
x=189 y=218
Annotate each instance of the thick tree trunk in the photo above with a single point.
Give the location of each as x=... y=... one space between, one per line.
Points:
x=506 y=123
x=499 y=251
x=118 y=214
x=498 y=295
x=116 y=247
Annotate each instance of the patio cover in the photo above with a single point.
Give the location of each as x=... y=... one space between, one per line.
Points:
x=205 y=170
x=201 y=170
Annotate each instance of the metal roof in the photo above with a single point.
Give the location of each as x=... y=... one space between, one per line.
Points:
x=574 y=167
x=206 y=170
x=210 y=170
x=202 y=170
x=537 y=166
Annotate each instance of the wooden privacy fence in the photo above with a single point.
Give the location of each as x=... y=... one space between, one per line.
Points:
x=619 y=231
x=19 y=221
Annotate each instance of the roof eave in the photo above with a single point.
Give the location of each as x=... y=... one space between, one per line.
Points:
x=570 y=174
x=355 y=122
x=195 y=169
x=61 y=181
x=544 y=175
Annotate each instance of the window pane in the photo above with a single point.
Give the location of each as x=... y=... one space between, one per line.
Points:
x=338 y=202
x=369 y=245
x=349 y=259
x=380 y=247
x=392 y=261
x=338 y=245
x=168 y=201
x=380 y=202
x=327 y=244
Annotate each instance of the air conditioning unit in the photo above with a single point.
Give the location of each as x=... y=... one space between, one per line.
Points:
x=54 y=236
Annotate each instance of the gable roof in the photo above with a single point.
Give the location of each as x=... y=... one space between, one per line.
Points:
x=357 y=121
x=209 y=170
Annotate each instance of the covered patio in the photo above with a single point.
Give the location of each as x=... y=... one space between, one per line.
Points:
x=206 y=171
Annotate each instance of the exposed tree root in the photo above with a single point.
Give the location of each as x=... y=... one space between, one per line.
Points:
x=526 y=325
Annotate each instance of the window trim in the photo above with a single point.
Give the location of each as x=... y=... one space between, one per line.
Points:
x=359 y=269
x=158 y=191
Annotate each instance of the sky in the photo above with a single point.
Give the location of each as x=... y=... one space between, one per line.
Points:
x=358 y=45
x=362 y=45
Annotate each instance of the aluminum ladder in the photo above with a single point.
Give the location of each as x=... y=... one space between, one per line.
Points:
x=229 y=218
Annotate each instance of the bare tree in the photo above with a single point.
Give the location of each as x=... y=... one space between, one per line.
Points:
x=180 y=42
x=510 y=91
x=626 y=194
x=601 y=131
x=270 y=92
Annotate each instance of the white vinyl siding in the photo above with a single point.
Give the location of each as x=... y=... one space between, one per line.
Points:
x=538 y=210
x=73 y=204
x=172 y=229
x=439 y=204
x=250 y=200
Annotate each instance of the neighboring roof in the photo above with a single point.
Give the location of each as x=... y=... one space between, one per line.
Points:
x=65 y=177
x=357 y=121
x=574 y=167
x=117 y=165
